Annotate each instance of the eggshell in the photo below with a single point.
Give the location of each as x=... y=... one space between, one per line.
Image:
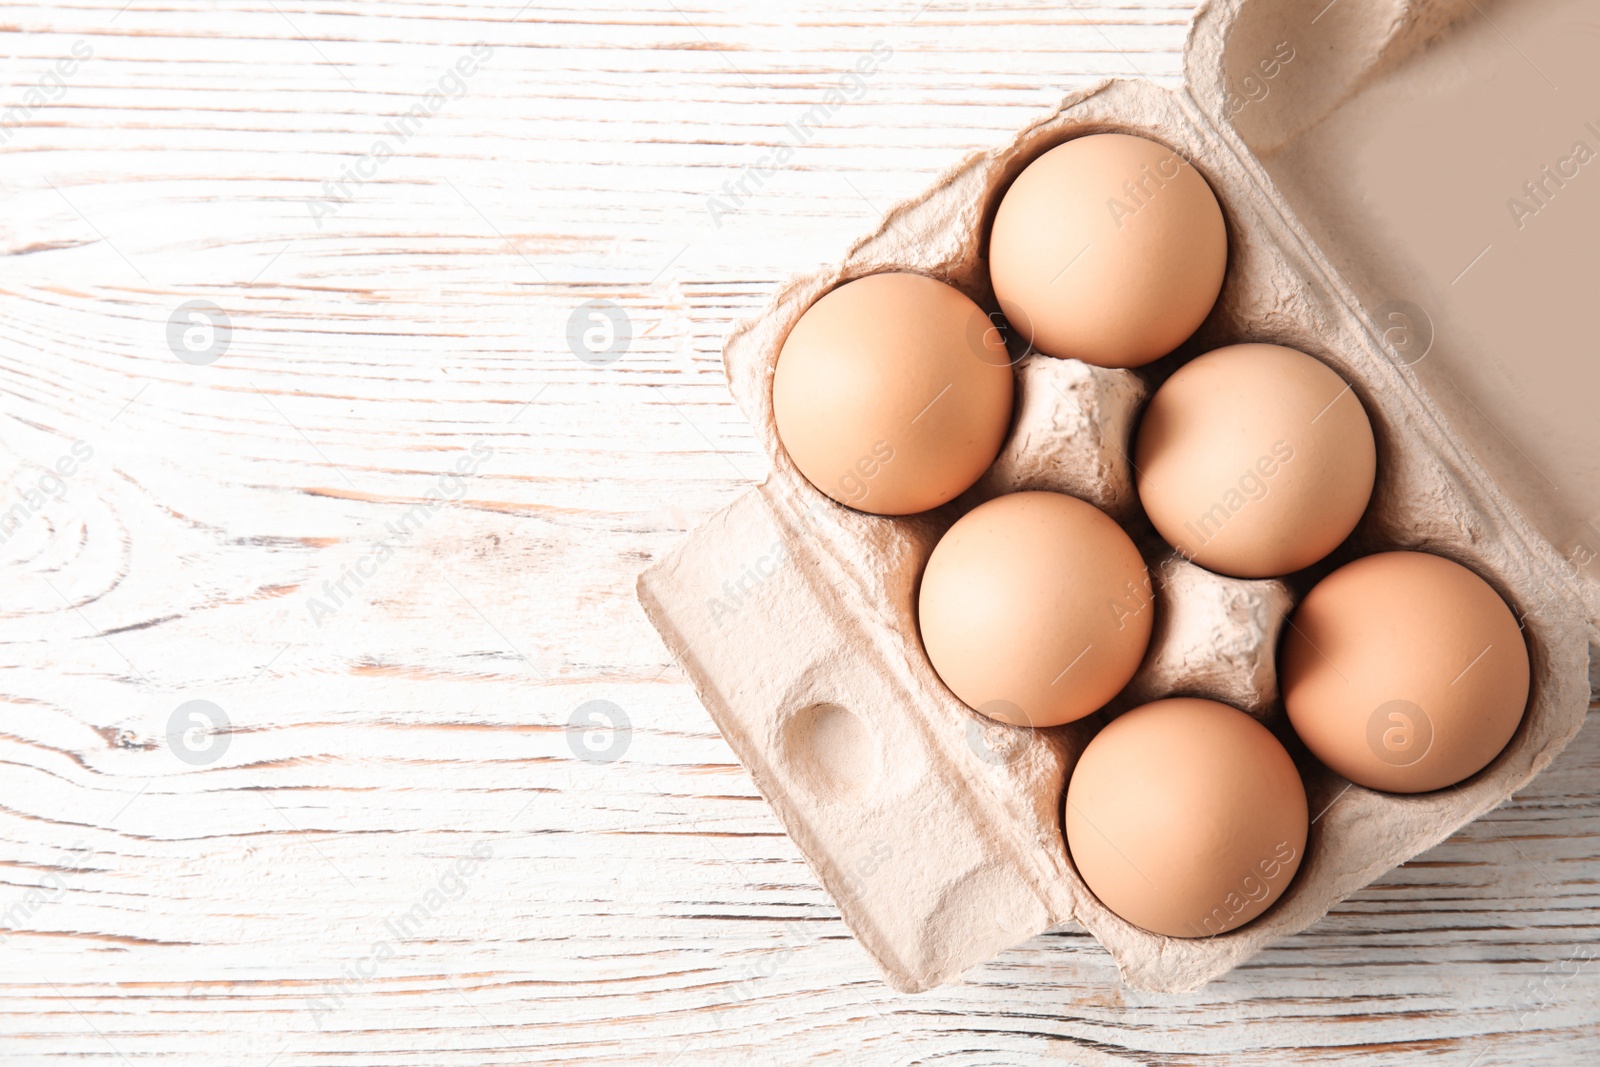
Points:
x=1255 y=460
x=1186 y=817
x=1110 y=249
x=1404 y=672
x=1035 y=608
x=892 y=393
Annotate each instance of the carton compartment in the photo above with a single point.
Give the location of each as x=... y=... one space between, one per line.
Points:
x=937 y=832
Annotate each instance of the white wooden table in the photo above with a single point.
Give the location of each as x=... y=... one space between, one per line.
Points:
x=397 y=852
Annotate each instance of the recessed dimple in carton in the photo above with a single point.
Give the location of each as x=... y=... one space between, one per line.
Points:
x=937 y=832
x=1072 y=424
x=1214 y=637
x=831 y=752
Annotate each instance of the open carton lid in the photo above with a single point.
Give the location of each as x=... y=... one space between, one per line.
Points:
x=1444 y=155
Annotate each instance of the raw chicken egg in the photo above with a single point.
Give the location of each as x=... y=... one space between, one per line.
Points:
x=1186 y=817
x=1255 y=460
x=1035 y=608
x=1404 y=672
x=1109 y=249
x=893 y=393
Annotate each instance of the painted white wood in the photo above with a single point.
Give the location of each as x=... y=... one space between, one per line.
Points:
x=402 y=855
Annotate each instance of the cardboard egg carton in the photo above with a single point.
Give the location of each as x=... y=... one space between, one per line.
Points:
x=938 y=832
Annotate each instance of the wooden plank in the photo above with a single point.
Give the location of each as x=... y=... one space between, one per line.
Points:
x=403 y=855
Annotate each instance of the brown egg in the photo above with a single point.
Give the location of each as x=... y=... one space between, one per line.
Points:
x=893 y=393
x=1186 y=817
x=1404 y=672
x=1109 y=249
x=1255 y=460
x=1035 y=608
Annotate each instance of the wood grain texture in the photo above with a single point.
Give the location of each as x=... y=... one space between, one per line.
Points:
x=404 y=855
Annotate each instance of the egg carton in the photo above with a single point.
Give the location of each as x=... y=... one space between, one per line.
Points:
x=937 y=832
